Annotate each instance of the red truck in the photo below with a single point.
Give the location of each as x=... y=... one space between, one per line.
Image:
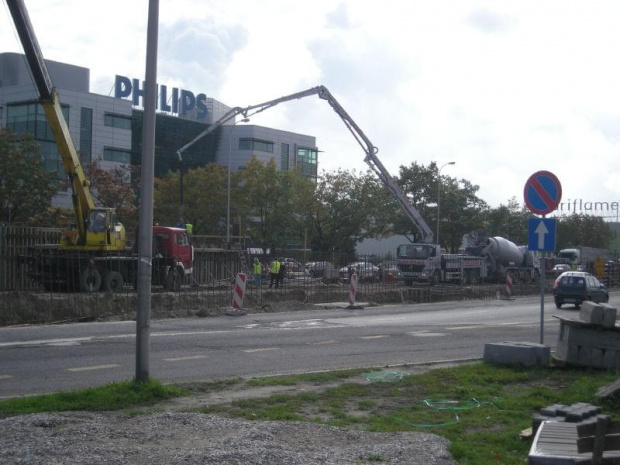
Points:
x=60 y=270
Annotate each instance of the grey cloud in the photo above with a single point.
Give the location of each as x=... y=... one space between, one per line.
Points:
x=194 y=44
x=489 y=21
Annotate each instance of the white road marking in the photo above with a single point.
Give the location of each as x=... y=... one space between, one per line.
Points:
x=249 y=351
x=331 y=341
x=427 y=334
x=95 y=367
x=374 y=337
x=189 y=357
x=43 y=342
x=5 y=377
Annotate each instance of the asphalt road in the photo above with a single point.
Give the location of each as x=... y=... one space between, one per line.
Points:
x=41 y=359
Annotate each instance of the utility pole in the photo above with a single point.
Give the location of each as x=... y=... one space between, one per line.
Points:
x=145 y=252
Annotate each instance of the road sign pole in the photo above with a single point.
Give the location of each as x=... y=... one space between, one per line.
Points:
x=543 y=265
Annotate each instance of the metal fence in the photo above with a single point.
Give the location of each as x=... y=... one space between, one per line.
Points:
x=210 y=288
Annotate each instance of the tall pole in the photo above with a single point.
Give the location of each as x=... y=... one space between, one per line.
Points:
x=145 y=253
x=230 y=142
x=438 y=195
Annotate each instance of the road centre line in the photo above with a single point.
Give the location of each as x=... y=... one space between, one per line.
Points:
x=374 y=337
x=265 y=349
x=331 y=341
x=189 y=357
x=6 y=377
x=94 y=367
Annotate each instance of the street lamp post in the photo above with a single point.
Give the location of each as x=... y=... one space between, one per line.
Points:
x=438 y=194
x=228 y=226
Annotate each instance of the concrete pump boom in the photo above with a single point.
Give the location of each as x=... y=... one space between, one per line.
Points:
x=370 y=150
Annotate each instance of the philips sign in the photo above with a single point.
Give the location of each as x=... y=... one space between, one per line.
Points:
x=182 y=101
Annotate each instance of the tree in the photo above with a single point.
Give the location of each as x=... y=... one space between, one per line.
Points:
x=585 y=230
x=509 y=221
x=276 y=203
x=26 y=189
x=348 y=209
x=204 y=198
x=113 y=189
x=460 y=208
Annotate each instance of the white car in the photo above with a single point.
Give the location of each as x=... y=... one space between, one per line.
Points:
x=365 y=271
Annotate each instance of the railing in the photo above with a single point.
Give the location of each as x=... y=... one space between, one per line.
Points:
x=209 y=290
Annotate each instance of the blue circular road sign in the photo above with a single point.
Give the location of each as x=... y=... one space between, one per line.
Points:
x=542 y=192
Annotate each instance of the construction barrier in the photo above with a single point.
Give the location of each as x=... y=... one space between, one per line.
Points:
x=508 y=286
x=237 y=300
x=352 y=289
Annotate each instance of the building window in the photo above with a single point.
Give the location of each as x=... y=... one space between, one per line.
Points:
x=86 y=135
x=284 y=157
x=256 y=144
x=29 y=117
x=306 y=161
x=118 y=155
x=117 y=121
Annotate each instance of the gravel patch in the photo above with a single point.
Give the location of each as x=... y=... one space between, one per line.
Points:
x=194 y=438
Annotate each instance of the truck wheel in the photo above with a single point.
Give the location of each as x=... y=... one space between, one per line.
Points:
x=113 y=281
x=436 y=278
x=558 y=303
x=173 y=280
x=90 y=280
x=466 y=279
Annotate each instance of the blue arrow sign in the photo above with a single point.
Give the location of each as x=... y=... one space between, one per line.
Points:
x=541 y=234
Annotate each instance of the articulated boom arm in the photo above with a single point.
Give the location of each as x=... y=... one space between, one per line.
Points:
x=82 y=200
x=371 y=151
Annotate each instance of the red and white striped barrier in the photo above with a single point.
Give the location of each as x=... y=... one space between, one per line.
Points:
x=508 y=285
x=352 y=289
x=237 y=300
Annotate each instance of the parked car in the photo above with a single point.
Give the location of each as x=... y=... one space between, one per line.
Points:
x=577 y=286
x=317 y=269
x=366 y=271
x=560 y=268
x=292 y=264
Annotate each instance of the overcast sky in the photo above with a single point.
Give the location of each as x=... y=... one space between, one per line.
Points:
x=504 y=89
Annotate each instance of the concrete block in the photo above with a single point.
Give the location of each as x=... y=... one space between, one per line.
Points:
x=584 y=356
x=609 y=358
x=609 y=315
x=591 y=313
x=517 y=353
x=597 y=358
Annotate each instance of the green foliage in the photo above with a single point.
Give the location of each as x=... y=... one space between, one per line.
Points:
x=509 y=221
x=110 y=397
x=26 y=189
x=204 y=199
x=349 y=208
x=460 y=209
x=583 y=230
x=113 y=189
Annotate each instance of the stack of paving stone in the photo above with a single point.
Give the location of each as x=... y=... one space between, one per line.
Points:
x=575 y=413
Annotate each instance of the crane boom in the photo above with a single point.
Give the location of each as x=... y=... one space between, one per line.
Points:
x=83 y=203
x=371 y=151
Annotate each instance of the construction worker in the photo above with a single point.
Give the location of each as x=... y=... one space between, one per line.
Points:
x=257 y=272
x=189 y=227
x=274 y=269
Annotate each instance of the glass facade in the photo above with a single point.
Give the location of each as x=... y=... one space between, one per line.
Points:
x=30 y=117
x=117 y=121
x=284 y=151
x=86 y=135
x=256 y=144
x=306 y=161
x=171 y=134
x=118 y=155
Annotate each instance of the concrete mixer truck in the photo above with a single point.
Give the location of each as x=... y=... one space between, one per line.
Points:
x=489 y=261
x=504 y=257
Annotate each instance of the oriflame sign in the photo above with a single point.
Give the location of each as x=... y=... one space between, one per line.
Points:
x=181 y=101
